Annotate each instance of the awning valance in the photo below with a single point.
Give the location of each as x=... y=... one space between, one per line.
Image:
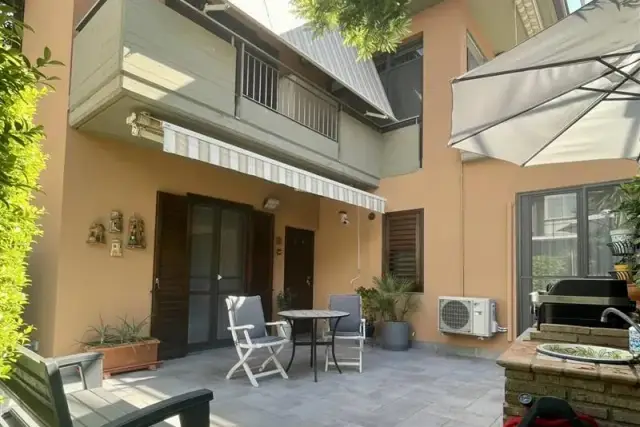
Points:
x=186 y=143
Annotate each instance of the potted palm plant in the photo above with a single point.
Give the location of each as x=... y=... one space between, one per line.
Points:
x=395 y=301
x=625 y=203
x=125 y=347
x=610 y=206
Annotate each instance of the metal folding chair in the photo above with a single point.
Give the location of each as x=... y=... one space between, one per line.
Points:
x=350 y=328
x=249 y=331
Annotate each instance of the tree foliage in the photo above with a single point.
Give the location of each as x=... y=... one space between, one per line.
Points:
x=21 y=161
x=368 y=25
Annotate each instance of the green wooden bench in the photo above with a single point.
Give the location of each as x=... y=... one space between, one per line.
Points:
x=38 y=398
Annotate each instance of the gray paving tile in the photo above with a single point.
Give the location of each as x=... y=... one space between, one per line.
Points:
x=460 y=415
x=397 y=389
x=490 y=404
x=424 y=419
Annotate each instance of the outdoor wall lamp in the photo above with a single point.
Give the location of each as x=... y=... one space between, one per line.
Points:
x=271 y=203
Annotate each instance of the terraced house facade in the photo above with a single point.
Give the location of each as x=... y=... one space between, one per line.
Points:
x=260 y=158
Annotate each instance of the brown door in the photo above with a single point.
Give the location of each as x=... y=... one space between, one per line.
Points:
x=298 y=270
x=170 y=291
x=261 y=272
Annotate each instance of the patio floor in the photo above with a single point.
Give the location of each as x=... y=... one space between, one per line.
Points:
x=404 y=389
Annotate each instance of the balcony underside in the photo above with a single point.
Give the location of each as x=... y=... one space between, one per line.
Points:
x=140 y=55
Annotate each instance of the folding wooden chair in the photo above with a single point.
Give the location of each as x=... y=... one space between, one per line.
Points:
x=249 y=331
x=350 y=328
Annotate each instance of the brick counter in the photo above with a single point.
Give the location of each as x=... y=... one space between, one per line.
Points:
x=609 y=393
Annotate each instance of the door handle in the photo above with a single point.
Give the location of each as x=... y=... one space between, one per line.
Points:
x=309 y=281
x=219 y=277
x=157 y=284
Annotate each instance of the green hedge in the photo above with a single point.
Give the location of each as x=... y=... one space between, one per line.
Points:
x=21 y=161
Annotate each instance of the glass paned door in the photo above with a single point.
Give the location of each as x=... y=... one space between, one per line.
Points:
x=554 y=238
x=217 y=269
x=600 y=202
x=231 y=265
x=549 y=249
x=201 y=280
x=562 y=234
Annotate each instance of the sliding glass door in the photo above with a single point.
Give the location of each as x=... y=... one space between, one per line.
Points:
x=562 y=233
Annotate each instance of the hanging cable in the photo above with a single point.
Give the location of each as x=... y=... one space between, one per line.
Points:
x=358 y=245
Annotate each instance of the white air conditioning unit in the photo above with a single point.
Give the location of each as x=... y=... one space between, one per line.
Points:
x=467 y=316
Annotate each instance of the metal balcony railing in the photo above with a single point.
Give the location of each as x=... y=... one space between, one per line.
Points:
x=289 y=96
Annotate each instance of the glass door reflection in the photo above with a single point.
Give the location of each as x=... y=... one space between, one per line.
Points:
x=217 y=269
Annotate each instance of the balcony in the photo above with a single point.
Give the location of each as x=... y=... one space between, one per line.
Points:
x=140 y=55
x=289 y=96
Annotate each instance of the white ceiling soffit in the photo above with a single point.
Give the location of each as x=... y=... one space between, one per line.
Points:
x=327 y=52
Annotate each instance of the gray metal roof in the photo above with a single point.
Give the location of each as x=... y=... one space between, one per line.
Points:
x=327 y=52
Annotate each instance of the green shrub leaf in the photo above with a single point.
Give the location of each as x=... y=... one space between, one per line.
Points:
x=21 y=161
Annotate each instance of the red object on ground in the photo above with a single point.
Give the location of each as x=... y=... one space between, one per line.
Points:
x=587 y=421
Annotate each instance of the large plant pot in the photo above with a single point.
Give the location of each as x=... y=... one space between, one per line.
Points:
x=128 y=357
x=621 y=235
x=395 y=336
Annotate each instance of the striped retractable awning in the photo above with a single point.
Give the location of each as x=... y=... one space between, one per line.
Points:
x=186 y=143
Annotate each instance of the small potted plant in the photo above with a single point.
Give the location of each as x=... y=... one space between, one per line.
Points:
x=622 y=265
x=284 y=301
x=395 y=301
x=625 y=204
x=125 y=347
x=369 y=309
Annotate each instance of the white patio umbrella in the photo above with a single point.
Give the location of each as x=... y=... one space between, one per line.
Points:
x=570 y=93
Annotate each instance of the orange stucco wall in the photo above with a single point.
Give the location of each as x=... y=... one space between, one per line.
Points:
x=468 y=207
x=127 y=177
x=469 y=233
x=52 y=22
x=75 y=284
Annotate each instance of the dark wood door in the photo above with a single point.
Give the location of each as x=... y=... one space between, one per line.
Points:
x=298 y=270
x=170 y=296
x=218 y=233
x=261 y=271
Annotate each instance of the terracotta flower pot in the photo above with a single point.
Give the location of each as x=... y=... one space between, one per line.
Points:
x=128 y=357
x=634 y=292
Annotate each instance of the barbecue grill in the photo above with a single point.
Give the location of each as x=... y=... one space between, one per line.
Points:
x=580 y=302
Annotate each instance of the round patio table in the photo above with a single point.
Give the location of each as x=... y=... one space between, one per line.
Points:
x=314 y=316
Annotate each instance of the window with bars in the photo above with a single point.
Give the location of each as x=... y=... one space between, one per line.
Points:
x=403 y=245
